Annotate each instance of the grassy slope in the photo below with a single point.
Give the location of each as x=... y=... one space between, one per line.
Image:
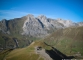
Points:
x=27 y=52
x=4 y=53
x=69 y=41
x=23 y=40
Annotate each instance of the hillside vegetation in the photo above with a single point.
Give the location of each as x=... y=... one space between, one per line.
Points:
x=46 y=52
x=27 y=52
x=68 y=40
x=7 y=41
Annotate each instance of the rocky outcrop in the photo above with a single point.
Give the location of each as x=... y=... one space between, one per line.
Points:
x=66 y=23
x=16 y=42
x=4 y=26
x=42 y=52
x=80 y=23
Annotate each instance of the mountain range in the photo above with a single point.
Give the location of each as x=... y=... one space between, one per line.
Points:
x=40 y=26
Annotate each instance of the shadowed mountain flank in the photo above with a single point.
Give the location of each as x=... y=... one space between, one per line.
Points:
x=56 y=54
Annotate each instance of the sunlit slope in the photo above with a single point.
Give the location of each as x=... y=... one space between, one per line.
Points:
x=27 y=53
x=68 y=41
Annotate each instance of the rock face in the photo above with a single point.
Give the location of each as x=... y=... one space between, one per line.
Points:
x=4 y=26
x=42 y=53
x=33 y=27
x=40 y=26
x=66 y=23
x=80 y=23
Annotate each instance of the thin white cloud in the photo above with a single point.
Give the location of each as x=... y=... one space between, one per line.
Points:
x=2 y=17
x=10 y=14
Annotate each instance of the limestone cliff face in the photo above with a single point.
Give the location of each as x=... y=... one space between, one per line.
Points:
x=80 y=23
x=4 y=26
x=49 y=23
x=33 y=27
x=39 y=26
x=66 y=23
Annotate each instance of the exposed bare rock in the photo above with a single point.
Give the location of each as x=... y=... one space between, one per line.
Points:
x=4 y=26
x=33 y=27
x=42 y=53
x=66 y=23
x=80 y=23
x=39 y=26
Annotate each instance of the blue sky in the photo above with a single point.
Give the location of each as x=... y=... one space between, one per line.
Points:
x=65 y=9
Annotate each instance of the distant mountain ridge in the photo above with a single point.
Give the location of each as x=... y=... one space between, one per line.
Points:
x=40 y=26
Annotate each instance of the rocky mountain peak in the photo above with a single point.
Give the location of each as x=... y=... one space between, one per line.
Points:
x=30 y=16
x=66 y=23
x=42 y=17
x=3 y=20
x=4 y=26
x=59 y=19
x=80 y=23
x=33 y=26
